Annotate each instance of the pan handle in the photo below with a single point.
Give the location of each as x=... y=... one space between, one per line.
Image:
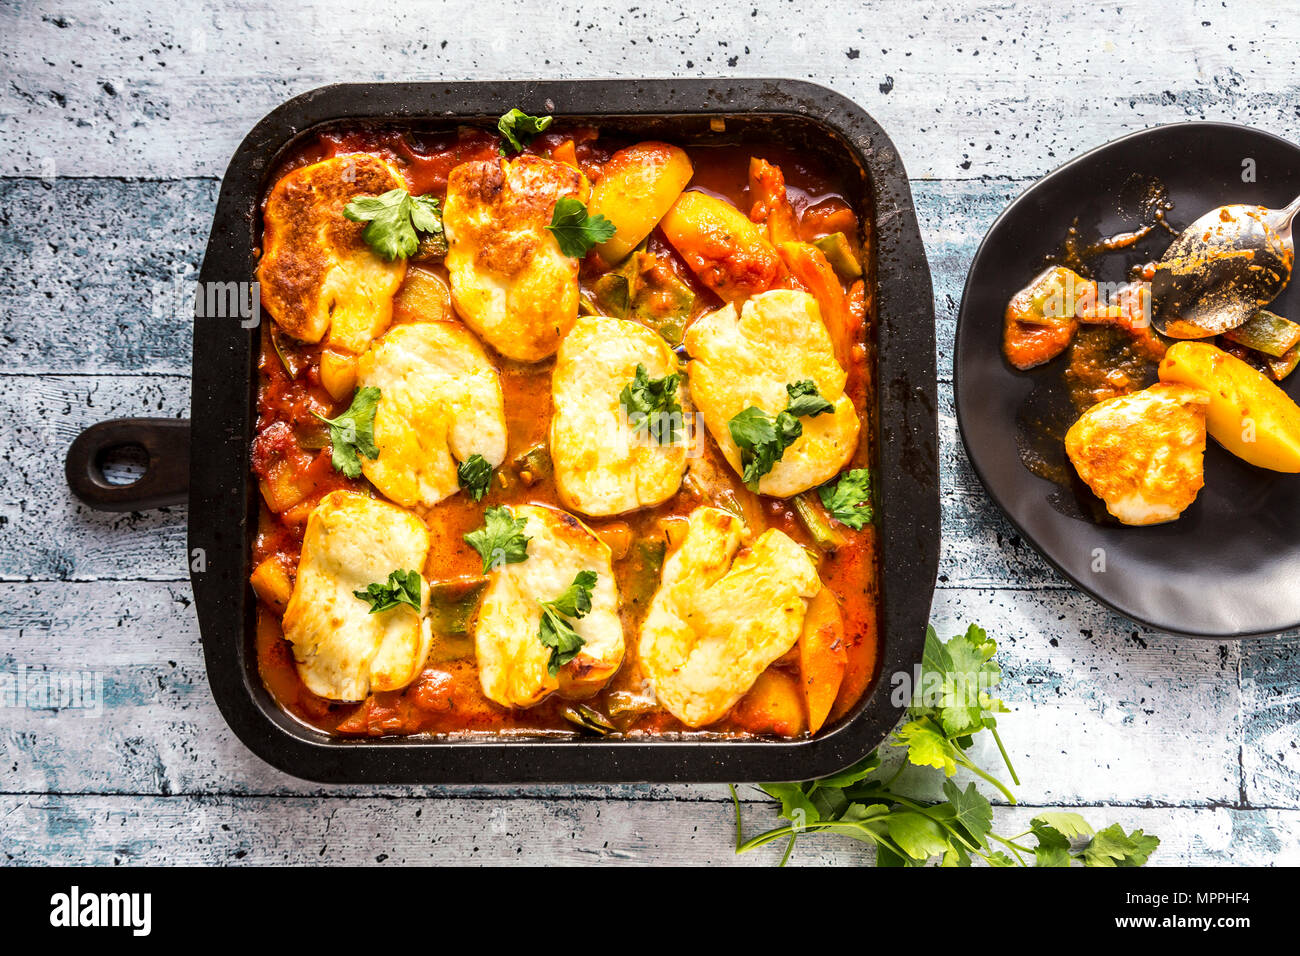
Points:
x=165 y=481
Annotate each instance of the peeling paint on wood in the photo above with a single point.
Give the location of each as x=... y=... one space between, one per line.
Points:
x=1100 y=711
x=361 y=831
x=45 y=533
x=966 y=89
x=50 y=536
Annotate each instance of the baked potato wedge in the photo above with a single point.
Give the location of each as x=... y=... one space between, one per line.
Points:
x=637 y=187
x=772 y=706
x=1248 y=415
x=729 y=253
x=822 y=657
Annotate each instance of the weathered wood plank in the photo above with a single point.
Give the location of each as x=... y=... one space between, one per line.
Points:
x=232 y=830
x=45 y=534
x=965 y=89
x=1100 y=712
x=1270 y=697
x=158 y=730
x=97 y=287
x=121 y=254
x=129 y=286
x=980 y=547
x=1100 y=704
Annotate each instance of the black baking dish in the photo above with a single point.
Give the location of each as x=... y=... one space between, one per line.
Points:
x=223 y=497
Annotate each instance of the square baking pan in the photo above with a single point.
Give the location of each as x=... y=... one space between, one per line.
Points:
x=223 y=497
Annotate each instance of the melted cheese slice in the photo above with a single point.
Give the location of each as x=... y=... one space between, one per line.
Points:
x=747 y=357
x=1144 y=453
x=716 y=623
x=343 y=651
x=509 y=280
x=602 y=467
x=317 y=274
x=512 y=660
x=439 y=403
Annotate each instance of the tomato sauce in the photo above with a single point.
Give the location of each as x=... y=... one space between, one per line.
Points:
x=291 y=459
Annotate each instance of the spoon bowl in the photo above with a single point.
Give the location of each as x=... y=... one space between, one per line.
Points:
x=1224 y=267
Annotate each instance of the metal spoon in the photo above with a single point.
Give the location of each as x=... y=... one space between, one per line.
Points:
x=1223 y=268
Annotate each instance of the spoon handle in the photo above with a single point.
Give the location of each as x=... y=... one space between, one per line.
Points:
x=1289 y=213
x=1281 y=220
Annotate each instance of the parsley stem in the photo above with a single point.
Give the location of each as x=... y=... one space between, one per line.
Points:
x=1012 y=843
x=1013 y=847
x=969 y=764
x=753 y=843
x=740 y=830
x=1005 y=758
x=895 y=775
x=855 y=829
x=789 y=848
x=919 y=808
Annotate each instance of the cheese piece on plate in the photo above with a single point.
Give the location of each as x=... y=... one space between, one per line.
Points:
x=440 y=402
x=509 y=280
x=719 y=619
x=343 y=651
x=1143 y=454
x=747 y=357
x=512 y=660
x=317 y=274
x=603 y=467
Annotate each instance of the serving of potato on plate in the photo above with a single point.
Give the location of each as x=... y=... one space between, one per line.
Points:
x=1248 y=415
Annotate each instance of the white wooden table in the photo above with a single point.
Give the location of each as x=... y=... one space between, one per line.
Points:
x=116 y=121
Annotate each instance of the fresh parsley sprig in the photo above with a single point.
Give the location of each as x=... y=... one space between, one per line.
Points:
x=517 y=128
x=501 y=540
x=862 y=802
x=762 y=439
x=805 y=401
x=848 y=499
x=352 y=434
x=651 y=406
x=575 y=230
x=402 y=587
x=555 y=631
x=393 y=220
x=475 y=475
x=957 y=677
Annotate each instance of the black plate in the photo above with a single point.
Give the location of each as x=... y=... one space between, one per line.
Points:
x=1229 y=566
x=223 y=499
